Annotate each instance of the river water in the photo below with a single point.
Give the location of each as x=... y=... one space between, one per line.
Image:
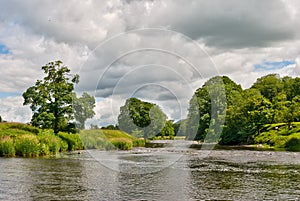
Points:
x=153 y=174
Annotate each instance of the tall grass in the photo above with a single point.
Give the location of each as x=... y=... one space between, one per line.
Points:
x=109 y=140
x=49 y=144
x=7 y=147
x=94 y=139
x=73 y=141
x=27 y=145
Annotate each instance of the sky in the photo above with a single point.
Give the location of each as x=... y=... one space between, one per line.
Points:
x=156 y=50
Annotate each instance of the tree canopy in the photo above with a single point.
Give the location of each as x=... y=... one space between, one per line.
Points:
x=51 y=98
x=271 y=99
x=141 y=118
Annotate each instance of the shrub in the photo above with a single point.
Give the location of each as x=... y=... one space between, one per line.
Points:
x=73 y=141
x=63 y=146
x=293 y=144
x=50 y=141
x=27 y=145
x=7 y=147
x=122 y=144
x=139 y=142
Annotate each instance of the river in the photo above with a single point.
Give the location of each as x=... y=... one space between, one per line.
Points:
x=153 y=174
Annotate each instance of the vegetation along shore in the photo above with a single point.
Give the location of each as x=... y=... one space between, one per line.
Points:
x=266 y=117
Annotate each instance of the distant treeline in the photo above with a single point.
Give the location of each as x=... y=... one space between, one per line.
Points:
x=220 y=111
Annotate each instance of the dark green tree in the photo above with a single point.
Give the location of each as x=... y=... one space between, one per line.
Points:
x=50 y=99
x=0 y=119
x=83 y=109
x=144 y=118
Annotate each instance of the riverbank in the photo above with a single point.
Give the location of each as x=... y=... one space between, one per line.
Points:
x=17 y=139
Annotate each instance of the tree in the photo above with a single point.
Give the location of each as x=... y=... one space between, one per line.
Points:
x=168 y=129
x=208 y=107
x=50 y=99
x=269 y=86
x=141 y=117
x=0 y=119
x=83 y=108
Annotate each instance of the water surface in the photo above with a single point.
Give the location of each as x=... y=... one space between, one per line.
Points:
x=153 y=174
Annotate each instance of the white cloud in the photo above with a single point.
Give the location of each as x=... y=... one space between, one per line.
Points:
x=84 y=34
x=12 y=109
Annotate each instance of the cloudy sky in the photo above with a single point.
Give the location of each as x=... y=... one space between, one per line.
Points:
x=157 y=50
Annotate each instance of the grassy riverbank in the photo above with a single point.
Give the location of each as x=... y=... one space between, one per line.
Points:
x=18 y=139
x=109 y=139
x=280 y=136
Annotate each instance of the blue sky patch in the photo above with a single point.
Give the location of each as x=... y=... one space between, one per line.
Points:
x=9 y=94
x=4 y=49
x=273 y=65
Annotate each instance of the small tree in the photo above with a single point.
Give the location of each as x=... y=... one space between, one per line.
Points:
x=0 y=119
x=83 y=108
x=168 y=129
x=50 y=99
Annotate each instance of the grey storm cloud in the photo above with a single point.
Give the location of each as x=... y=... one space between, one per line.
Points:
x=230 y=24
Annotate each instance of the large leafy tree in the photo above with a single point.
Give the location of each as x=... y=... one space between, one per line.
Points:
x=83 y=108
x=141 y=117
x=50 y=99
x=269 y=86
x=208 y=107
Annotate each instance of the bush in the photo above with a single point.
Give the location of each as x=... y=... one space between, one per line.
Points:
x=139 y=142
x=293 y=144
x=50 y=141
x=122 y=144
x=7 y=147
x=73 y=141
x=27 y=145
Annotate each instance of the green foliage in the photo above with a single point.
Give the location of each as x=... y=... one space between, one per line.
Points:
x=27 y=145
x=0 y=119
x=73 y=141
x=121 y=143
x=269 y=86
x=7 y=147
x=280 y=136
x=139 y=142
x=24 y=127
x=27 y=141
x=168 y=129
x=109 y=139
x=293 y=144
x=50 y=99
x=83 y=108
x=137 y=115
x=208 y=107
x=49 y=143
x=94 y=139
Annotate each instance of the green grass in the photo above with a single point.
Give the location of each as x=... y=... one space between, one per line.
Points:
x=109 y=140
x=7 y=147
x=280 y=136
x=17 y=139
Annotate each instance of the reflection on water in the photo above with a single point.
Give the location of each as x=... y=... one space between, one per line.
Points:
x=196 y=175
